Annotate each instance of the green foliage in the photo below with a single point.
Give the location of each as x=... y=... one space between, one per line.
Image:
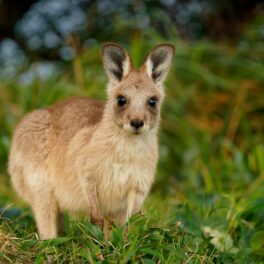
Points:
x=207 y=204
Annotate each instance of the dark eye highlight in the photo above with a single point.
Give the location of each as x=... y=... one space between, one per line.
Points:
x=152 y=101
x=121 y=100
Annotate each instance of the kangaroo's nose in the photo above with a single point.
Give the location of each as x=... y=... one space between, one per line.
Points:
x=136 y=123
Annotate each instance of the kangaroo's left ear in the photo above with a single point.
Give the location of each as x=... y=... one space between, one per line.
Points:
x=158 y=62
x=117 y=62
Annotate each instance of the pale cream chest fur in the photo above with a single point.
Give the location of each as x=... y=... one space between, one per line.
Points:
x=117 y=164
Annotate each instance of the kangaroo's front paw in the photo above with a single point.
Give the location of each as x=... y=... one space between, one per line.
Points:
x=108 y=227
x=98 y=221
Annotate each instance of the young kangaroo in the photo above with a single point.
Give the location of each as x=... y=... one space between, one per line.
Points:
x=94 y=156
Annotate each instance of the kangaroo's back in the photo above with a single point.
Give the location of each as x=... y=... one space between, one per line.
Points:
x=41 y=131
x=74 y=114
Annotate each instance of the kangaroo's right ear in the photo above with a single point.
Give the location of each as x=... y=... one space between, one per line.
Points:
x=117 y=62
x=158 y=62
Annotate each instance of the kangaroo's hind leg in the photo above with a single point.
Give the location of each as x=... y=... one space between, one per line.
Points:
x=46 y=214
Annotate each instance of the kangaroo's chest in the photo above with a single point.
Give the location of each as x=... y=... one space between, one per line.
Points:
x=124 y=170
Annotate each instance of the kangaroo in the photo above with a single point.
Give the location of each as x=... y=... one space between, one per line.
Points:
x=94 y=156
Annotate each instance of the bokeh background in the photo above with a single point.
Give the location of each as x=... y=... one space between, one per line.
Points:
x=211 y=137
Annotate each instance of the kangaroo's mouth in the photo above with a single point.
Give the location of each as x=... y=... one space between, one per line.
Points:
x=136 y=131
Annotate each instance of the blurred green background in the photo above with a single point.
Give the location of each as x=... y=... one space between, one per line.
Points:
x=211 y=136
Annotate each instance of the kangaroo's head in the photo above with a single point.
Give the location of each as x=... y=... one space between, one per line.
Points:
x=135 y=95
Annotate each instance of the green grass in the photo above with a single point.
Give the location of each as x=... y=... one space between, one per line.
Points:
x=207 y=204
x=170 y=231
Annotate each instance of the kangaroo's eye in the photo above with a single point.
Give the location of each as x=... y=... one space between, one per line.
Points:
x=121 y=100
x=152 y=102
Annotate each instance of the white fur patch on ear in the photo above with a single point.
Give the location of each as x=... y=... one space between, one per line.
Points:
x=158 y=62
x=149 y=67
x=116 y=61
x=126 y=66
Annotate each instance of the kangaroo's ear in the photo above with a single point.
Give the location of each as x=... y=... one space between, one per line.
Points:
x=117 y=62
x=158 y=62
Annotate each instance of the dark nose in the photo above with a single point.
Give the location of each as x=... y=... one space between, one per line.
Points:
x=136 y=123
